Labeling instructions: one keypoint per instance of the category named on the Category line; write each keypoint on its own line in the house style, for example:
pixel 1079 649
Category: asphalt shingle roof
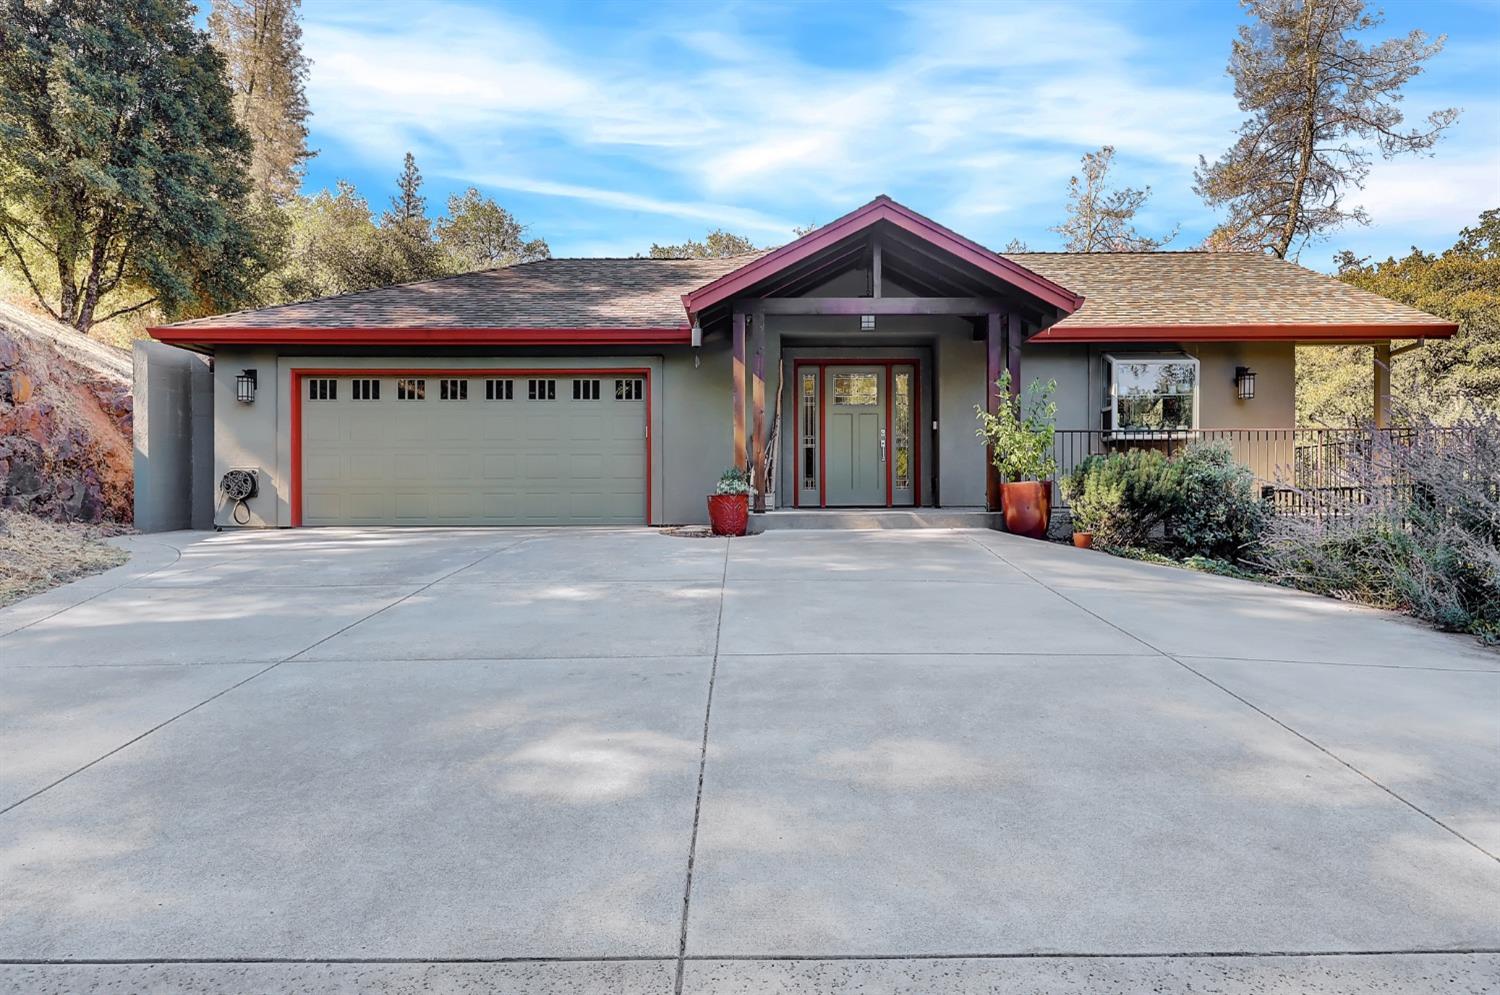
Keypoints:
pixel 1121 290
pixel 550 293
pixel 1136 289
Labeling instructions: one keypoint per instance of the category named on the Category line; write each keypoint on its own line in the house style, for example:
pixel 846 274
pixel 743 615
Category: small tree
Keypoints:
pixel 718 244
pixel 122 168
pixel 1021 431
pixel 478 233
pixel 407 250
pixel 1317 99
pixel 1100 219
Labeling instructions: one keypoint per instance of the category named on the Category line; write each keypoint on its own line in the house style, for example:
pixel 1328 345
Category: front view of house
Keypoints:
pixel 844 367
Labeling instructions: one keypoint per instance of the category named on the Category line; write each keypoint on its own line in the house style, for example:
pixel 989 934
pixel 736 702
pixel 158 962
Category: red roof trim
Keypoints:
pixel 1303 331
pixel 241 335
pixel 882 208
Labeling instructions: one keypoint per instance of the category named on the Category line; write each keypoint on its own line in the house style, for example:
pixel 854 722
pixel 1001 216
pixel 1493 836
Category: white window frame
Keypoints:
pixel 1112 399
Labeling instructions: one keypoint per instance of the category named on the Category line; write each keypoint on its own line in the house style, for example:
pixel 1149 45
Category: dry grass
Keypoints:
pixel 36 554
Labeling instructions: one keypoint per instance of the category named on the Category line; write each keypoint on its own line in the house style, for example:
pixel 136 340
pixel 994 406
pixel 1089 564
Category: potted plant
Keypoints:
pixel 729 504
pixel 1088 502
pixel 1020 436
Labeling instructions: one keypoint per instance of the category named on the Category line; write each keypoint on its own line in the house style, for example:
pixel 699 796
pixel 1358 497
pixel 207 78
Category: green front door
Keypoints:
pixel 856 442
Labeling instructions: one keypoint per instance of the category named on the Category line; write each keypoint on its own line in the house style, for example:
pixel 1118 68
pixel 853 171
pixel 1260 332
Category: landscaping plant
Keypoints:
pixel 1412 525
pixel 1219 514
pixel 1123 497
pixel 1020 432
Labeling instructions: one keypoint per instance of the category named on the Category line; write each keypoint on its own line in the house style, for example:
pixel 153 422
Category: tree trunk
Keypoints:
pixel 1305 139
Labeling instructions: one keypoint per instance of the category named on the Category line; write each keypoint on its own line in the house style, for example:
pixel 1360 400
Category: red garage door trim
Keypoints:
pixel 297 376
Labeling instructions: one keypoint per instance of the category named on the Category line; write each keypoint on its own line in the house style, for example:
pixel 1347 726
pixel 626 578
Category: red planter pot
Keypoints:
pixel 729 514
pixel 1027 507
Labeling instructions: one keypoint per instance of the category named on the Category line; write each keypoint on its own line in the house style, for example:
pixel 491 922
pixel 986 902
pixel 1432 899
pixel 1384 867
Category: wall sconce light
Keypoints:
pixel 867 322
pixel 1244 383
pixel 244 386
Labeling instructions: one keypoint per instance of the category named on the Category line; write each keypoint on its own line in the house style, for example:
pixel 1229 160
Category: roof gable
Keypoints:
pixel 881 209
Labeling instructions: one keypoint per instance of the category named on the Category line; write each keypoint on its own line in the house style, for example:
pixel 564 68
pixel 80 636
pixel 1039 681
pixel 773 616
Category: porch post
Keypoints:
pixel 738 390
pixel 992 353
pixel 758 409
pixel 1382 407
pixel 1013 352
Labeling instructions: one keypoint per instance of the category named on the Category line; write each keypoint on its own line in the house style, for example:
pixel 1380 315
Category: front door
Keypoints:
pixel 856 443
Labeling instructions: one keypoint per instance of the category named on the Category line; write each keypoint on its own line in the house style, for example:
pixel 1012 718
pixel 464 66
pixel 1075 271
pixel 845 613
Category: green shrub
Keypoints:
pixel 1123 497
pixel 1219 515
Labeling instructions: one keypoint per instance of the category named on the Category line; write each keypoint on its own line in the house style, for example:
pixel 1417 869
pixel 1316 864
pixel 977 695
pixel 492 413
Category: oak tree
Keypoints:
pixel 122 168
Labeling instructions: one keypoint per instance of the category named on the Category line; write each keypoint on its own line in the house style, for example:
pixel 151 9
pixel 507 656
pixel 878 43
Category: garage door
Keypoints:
pixel 491 449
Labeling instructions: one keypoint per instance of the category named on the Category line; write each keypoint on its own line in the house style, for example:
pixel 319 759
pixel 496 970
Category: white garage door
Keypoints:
pixel 491 449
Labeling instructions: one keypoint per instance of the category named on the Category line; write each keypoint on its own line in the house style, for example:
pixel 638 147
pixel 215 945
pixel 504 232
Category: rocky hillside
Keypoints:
pixel 65 422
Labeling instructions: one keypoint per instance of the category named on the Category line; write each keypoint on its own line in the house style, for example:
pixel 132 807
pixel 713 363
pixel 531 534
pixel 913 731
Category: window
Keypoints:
pixel 585 390
pixel 629 390
pixel 541 390
pixel 809 430
pixel 902 418
pixel 322 389
pixel 411 390
pixel 453 390
pixel 499 390
pixel 856 389
pixel 1151 395
pixel 366 390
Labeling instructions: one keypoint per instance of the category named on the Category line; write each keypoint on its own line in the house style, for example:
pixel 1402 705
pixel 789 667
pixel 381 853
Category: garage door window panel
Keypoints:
pixel 499 390
pixel 541 390
pixel 411 390
pixel 365 390
pixel 322 389
pixel 453 390
pixel 585 390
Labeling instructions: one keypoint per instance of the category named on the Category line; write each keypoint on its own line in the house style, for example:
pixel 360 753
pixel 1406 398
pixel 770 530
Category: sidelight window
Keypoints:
pixel 809 441
pixel 901 415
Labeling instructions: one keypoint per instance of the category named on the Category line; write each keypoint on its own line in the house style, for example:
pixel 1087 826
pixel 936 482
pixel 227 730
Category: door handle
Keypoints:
pixel 882 445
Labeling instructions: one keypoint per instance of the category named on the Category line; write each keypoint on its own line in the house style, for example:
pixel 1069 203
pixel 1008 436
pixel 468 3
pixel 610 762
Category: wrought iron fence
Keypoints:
pixel 1299 470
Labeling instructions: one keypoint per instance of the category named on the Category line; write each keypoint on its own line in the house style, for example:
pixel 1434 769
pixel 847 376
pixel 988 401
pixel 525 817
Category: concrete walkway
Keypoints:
pixel 612 760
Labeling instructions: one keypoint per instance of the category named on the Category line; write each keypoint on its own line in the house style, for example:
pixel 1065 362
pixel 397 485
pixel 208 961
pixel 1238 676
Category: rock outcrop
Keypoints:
pixel 65 422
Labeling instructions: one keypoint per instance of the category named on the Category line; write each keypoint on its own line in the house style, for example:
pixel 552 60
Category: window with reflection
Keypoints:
pixel 901 416
pixel 809 401
pixel 1152 395
pixel 852 390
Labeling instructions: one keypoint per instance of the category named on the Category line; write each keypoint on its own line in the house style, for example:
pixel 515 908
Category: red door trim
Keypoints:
pixel 820 363
pixel 297 375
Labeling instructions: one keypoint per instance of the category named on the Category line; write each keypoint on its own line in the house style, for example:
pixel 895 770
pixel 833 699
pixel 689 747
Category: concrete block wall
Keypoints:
pixel 174 484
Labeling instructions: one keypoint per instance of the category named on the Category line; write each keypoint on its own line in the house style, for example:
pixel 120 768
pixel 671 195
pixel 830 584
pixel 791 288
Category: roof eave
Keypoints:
pixel 200 336
pixel 1250 332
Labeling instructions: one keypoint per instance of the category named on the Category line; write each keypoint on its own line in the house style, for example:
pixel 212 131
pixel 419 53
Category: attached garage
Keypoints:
pixel 471 447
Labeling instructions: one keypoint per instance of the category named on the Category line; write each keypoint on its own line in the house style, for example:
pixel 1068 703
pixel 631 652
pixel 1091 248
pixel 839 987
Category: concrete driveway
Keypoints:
pixel 445 760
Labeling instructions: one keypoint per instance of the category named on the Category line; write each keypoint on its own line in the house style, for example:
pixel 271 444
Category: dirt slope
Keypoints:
pixel 65 421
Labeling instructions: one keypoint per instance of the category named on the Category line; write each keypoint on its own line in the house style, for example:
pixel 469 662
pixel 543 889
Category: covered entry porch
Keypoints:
pixel 859 353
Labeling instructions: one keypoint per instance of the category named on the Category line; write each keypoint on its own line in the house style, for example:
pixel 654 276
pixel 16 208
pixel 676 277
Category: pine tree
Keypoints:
pixel 1317 98
pixel 122 168
pixel 1103 220
pixel 261 42
pixel 407 248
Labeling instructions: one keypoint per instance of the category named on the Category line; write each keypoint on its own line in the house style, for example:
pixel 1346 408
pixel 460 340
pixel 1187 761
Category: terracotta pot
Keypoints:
pixel 1027 506
pixel 729 514
pixel 1083 540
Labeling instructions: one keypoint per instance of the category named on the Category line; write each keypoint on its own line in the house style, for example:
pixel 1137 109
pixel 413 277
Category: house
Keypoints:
pixel 615 391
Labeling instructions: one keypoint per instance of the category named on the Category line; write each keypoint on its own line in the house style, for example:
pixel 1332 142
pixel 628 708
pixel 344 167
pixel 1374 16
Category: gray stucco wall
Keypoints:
pixel 173 438
pixel 692 410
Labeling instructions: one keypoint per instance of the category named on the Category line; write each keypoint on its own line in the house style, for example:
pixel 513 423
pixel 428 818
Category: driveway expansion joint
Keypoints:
pixel 687 888
pixel 1248 704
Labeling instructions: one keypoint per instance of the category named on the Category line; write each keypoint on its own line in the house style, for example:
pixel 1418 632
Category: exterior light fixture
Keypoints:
pixel 867 322
pixel 244 386
pixel 1244 383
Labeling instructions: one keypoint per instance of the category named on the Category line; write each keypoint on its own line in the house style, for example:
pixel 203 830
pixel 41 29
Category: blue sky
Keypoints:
pixel 606 127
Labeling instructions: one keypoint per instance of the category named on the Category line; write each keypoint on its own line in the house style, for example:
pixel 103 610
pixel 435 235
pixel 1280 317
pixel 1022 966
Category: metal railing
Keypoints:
pixel 1293 466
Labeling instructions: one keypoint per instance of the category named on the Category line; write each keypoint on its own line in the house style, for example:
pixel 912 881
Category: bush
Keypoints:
pixel 1219 514
pixel 1123 497
pixel 1201 504
pixel 1413 525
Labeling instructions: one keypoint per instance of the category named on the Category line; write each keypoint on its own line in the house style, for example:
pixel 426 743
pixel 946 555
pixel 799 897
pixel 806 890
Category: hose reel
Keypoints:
pixel 238 486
